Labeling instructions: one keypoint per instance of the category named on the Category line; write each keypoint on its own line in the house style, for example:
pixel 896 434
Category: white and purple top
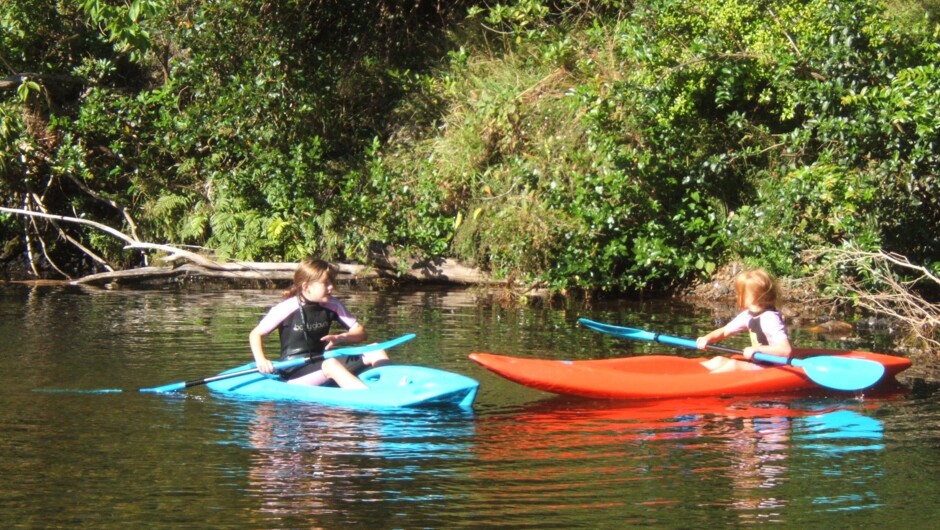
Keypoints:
pixel 766 327
pixel 303 325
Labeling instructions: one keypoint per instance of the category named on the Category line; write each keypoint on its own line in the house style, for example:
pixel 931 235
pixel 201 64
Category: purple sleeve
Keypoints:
pixel 286 307
pixel 774 328
pixel 346 318
pixel 277 314
pixel 738 323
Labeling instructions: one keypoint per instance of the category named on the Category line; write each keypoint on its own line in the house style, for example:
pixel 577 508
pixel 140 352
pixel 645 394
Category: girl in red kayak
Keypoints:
pixel 303 320
pixel 757 296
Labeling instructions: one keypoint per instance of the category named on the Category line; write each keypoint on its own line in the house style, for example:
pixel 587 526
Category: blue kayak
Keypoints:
pixel 390 386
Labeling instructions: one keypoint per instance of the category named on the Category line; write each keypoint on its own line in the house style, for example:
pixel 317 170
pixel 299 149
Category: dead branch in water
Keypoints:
pixel 440 270
pixel 897 299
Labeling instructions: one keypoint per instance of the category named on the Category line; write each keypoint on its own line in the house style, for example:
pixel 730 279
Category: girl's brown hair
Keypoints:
pixel 310 270
pixel 762 287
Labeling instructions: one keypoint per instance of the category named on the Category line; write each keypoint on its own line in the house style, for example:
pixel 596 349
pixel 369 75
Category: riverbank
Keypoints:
pixel 803 306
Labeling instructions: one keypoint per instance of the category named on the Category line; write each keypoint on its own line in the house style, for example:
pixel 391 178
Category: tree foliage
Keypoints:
pixel 606 145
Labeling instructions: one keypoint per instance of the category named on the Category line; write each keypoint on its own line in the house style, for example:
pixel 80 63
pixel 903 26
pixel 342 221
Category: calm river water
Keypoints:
pixel 520 458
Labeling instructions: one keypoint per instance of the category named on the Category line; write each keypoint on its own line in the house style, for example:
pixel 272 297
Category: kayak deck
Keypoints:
pixel 663 376
pixel 390 386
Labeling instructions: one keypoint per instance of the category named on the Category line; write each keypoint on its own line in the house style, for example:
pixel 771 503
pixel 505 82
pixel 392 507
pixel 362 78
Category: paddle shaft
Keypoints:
pixel 278 366
pixel 638 334
pixel 282 365
pixel 841 373
pixel 758 356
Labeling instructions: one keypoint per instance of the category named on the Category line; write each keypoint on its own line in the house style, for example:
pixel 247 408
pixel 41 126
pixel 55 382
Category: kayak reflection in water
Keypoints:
pixel 303 321
pixel 757 295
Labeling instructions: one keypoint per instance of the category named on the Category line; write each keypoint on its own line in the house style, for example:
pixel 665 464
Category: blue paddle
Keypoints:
pixel 172 387
pixel 840 373
pixel 279 365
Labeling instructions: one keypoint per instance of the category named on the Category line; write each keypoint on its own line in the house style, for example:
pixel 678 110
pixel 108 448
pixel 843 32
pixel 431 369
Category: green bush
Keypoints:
pixel 610 145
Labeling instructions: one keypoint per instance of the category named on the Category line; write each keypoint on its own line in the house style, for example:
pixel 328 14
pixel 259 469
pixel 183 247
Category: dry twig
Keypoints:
pixel 898 299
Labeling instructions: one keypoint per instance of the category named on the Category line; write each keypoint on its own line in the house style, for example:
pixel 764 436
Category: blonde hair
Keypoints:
pixel 762 288
pixel 310 270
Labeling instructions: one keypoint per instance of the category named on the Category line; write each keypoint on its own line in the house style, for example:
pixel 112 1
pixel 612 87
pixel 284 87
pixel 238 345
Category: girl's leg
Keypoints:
pixel 336 370
pixel 717 365
pixel 312 379
pixel 375 358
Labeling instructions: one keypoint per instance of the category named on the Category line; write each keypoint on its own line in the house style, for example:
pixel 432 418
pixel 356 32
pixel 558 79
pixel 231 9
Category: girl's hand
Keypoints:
pixel 332 340
pixel 749 352
pixel 265 366
pixel 701 342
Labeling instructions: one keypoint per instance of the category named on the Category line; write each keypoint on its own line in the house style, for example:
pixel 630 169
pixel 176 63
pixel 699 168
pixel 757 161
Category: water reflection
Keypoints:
pixel 846 447
pixel 752 458
pixel 308 461
pixel 757 447
pixel 832 430
pixel 520 459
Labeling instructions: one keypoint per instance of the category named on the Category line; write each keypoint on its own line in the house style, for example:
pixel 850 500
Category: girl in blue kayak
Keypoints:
pixel 303 320
pixel 757 296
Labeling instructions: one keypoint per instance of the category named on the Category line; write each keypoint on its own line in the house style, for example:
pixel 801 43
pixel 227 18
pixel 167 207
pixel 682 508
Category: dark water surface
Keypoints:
pixel 520 458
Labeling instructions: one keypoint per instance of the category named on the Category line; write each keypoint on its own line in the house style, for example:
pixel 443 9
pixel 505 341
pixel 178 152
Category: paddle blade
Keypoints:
pixel 637 334
pixel 359 350
pixel 841 373
pixel 832 371
pixel 618 331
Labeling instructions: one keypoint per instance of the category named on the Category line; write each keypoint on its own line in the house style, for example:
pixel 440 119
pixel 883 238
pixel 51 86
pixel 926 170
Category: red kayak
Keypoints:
pixel 667 376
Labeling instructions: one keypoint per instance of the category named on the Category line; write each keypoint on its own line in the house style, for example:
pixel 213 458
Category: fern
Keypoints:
pixel 168 205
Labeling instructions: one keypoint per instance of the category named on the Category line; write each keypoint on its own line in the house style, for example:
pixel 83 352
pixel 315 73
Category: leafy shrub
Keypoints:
pixel 606 145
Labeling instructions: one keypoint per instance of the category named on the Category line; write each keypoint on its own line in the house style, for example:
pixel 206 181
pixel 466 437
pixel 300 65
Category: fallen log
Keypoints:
pixel 382 266
pixel 440 271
